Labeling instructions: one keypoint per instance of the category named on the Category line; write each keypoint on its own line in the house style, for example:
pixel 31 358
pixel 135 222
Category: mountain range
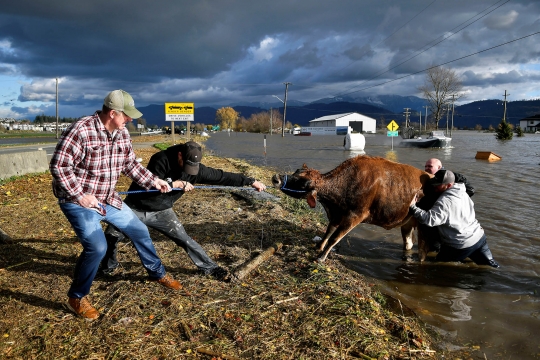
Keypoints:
pixel 387 107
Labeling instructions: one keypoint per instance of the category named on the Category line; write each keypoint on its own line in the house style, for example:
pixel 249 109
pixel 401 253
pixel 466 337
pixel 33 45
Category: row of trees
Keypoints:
pixel 43 119
pixel 263 122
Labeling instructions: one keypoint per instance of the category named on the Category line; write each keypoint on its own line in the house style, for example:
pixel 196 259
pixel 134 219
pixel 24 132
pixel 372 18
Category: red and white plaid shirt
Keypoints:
pixel 88 160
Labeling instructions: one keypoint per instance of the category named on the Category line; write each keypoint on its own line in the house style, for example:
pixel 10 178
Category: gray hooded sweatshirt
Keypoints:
pixel 454 215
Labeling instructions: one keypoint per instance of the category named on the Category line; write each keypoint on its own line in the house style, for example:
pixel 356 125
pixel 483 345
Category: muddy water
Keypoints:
pixel 495 310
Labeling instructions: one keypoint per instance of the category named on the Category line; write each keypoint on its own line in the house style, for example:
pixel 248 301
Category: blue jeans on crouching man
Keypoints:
pixel 87 225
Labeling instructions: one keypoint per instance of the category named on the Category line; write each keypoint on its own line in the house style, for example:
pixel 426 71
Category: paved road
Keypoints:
pixel 49 148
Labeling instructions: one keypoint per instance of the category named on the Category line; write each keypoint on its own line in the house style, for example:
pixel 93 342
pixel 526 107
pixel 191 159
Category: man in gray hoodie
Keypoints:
pixel 453 213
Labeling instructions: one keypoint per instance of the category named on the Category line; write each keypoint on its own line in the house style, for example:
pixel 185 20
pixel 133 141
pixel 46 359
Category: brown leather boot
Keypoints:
pixel 83 308
pixel 169 282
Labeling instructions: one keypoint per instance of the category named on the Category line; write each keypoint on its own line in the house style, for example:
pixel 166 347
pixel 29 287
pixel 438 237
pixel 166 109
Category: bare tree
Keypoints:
pixel 441 88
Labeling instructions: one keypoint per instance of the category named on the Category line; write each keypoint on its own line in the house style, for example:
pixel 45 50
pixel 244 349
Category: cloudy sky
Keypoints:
pixel 224 52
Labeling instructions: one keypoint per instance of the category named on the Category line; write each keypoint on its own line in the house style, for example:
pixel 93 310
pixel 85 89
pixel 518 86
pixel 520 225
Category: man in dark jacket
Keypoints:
pixel 431 234
pixel 181 166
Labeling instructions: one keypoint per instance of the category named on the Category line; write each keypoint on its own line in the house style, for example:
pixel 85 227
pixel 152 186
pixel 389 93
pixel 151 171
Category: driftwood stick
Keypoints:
pixel 258 260
pixel 360 355
pixel 14 265
pixel 5 238
pixel 216 354
pixel 291 299
pixel 186 329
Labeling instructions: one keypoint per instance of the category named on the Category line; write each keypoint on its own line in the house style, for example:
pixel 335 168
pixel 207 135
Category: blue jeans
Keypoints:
pixel 479 253
pixel 87 225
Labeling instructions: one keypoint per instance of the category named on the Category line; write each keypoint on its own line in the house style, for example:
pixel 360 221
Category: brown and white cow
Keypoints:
pixel 362 189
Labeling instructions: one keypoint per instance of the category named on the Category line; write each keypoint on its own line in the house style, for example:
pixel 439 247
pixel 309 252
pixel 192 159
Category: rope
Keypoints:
pixel 208 187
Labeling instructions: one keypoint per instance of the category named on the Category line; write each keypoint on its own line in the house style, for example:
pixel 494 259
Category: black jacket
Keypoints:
pixel 165 165
pixel 430 196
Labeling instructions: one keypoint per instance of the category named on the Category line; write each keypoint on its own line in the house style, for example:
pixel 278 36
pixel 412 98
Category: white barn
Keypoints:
pixel 355 122
pixel 531 123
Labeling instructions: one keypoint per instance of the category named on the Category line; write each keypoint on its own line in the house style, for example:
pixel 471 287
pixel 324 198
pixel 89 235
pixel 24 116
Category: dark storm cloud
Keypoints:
pixel 356 52
pixel 224 51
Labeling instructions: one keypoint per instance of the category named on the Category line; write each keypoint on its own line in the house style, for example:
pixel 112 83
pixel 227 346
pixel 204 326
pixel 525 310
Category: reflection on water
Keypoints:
pixel 496 309
pixel 354 153
pixel 456 300
pixel 391 155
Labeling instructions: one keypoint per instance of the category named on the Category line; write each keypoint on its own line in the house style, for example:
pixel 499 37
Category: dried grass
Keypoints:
pixel 288 308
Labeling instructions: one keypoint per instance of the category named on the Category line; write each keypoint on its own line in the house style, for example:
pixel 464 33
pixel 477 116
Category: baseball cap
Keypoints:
pixel 443 177
pixel 122 101
pixel 192 156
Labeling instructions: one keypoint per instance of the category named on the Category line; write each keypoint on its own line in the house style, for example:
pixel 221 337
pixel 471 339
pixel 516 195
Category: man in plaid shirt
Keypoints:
pixel 85 167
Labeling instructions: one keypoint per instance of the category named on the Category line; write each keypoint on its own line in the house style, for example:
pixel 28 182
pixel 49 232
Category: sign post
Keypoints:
pixel 179 112
pixel 392 131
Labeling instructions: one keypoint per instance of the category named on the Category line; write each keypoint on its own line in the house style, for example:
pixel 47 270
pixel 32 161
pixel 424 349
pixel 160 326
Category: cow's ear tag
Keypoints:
pixel 312 199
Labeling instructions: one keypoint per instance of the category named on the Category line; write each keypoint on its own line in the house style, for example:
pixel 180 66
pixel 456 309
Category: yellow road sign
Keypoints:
pixel 393 126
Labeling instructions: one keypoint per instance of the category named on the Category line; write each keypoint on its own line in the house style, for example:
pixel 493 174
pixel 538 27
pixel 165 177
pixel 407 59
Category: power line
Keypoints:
pixel 437 43
pixel 448 62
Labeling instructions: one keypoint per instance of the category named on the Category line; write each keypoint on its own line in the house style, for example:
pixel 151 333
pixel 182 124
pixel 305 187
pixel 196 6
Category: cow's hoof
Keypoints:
pixel 321 260
pixel 407 258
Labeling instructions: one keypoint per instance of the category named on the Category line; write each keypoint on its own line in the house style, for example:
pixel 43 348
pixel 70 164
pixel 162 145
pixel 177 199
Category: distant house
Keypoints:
pixel 357 122
pixel 531 123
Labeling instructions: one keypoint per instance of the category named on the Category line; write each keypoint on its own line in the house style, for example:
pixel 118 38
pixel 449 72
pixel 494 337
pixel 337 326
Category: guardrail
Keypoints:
pixel 152 132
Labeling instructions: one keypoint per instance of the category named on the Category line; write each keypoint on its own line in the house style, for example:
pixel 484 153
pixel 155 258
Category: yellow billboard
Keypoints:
pixel 179 111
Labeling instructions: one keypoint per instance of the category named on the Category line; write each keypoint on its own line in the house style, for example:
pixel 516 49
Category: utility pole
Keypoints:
pixel 425 119
pixel 406 127
pixel 406 116
pixel 420 119
pixel 504 114
pixel 447 111
pixel 453 108
pixel 284 108
pixel 56 108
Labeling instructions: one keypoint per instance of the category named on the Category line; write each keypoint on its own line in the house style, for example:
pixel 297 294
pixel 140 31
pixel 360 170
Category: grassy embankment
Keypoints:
pixel 290 307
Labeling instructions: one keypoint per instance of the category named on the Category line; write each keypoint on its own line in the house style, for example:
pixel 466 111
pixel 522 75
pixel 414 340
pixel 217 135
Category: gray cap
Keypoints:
pixel 122 101
pixel 192 154
pixel 443 177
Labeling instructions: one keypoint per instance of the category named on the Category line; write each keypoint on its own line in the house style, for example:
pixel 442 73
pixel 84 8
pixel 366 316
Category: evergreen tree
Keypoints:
pixel 519 132
pixel 504 131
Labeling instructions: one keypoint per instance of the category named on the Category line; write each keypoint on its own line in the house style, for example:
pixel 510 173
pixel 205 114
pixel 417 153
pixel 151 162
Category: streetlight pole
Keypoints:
pixel 284 109
pixel 283 127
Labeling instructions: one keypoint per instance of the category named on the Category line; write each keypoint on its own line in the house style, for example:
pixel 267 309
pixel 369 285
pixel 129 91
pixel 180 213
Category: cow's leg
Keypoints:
pixel 329 231
pixel 342 230
pixel 423 245
pixel 407 230
pixel 407 233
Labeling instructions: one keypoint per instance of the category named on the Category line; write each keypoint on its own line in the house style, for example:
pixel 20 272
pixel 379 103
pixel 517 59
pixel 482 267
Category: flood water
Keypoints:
pixel 495 310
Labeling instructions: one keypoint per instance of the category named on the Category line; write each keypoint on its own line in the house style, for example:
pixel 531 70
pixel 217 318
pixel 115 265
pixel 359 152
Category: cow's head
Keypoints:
pixel 299 185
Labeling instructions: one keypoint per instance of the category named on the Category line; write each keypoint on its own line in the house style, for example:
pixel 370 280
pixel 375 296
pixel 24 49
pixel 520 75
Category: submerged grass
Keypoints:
pixel 290 307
